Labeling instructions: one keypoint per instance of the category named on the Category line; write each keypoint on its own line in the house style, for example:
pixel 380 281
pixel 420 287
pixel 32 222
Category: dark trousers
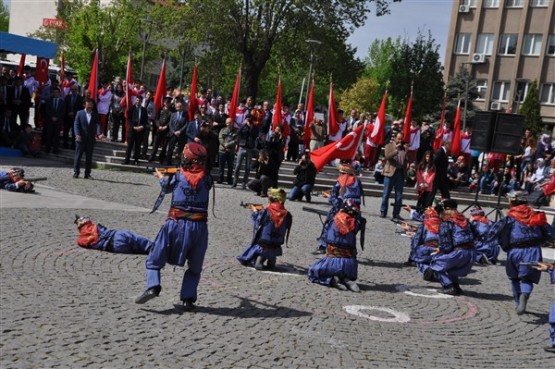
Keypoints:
pixel 83 147
pixel 52 135
pixel 226 160
pixel 134 140
pixel 144 143
pixel 174 141
pixel 117 122
pixel 444 190
pixel 68 127
pixel 160 141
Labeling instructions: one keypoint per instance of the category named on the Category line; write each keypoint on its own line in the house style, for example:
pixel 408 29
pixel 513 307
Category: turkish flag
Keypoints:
pixel 378 134
pixel 126 101
pixel 438 141
pixel 41 73
pixel 235 97
pixel 160 88
pixel 93 81
pixel 332 113
pixel 456 144
pixel 193 102
pixel 62 68
pixel 21 65
pixel 277 118
pixel 309 116
pixel 406 124
pixel 344 149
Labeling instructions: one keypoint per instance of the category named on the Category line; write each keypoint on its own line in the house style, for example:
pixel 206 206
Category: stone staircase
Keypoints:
pixel 110 156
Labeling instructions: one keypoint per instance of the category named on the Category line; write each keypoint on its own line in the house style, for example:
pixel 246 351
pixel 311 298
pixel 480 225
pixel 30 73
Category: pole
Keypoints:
pixel 143 59
pixel 301 94
pixel 309 77
pixel 182 66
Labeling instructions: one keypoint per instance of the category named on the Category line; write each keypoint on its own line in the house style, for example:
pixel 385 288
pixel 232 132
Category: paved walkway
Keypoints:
pixel 65 307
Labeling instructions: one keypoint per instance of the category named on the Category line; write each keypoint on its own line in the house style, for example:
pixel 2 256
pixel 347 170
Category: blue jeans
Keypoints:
pixel 396 181
pixel 243 154
pixel 297 192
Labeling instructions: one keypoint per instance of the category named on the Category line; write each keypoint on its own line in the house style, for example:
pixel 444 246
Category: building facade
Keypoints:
pixel 505 45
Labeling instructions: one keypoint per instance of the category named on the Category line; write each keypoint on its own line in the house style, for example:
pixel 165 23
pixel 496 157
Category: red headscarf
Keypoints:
pixel 277 213
pixel 344 222
pixel 526 216
pixel 457 218
pixel 432 221
pixel 88 235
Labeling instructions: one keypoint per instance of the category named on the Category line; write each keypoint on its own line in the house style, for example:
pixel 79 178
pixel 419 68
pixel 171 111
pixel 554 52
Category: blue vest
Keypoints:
pixel 335 238
pixel 104 237
pixel 270 234
pixel 451 236
pixel 185 197
pixel 353 192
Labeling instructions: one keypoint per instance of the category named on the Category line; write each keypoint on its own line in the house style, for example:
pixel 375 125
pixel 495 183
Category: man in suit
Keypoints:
pixel 137 120
pixel 54 114
pixel 86 128
pixel 74 103
pixel 192 129
pixel 441 163
pixel 176 136
pixel 394 175
pixel 20 102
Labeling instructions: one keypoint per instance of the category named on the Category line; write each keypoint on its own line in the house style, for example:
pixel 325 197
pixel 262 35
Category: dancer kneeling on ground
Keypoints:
pixel 339 268
pixel 486 244
pixel 184 235
pixel 425 241
pixel 455 252
pixel 521 234
pixel 271 229
pixel 97 237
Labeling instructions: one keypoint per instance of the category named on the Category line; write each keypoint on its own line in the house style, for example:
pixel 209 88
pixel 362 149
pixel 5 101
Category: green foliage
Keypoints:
pixel 456 89
pixel 531 109
pixel 4 17
pixel 361 96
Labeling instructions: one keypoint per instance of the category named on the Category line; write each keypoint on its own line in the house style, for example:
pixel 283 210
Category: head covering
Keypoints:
pixel 195 153
pixel 17 172
pixel 450 204
pixel 277 194
pixel 348 167
pixel 351 207
pixel 477 211
pixel 81 220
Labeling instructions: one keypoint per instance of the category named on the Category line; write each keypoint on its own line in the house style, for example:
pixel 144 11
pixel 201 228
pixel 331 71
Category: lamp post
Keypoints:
pixel 145 36
pixel 311 44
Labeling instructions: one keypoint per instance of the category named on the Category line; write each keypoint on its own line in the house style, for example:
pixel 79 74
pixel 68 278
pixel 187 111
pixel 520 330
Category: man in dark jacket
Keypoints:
pixel 246 136
pixel 137 120
pixel 303 183
pixel 86 127
pixel 441 163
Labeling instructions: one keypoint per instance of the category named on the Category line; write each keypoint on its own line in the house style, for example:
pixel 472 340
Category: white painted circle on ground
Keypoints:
pixel 398 316
pixel 435 294
pixel 284 273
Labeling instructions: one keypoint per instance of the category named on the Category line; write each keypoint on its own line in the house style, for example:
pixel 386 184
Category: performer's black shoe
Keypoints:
pixel 351 285
pixel 148 295
pixel 457 289
pixel 450 290
pixel 336 282
pixel 188 305
pixel 259 263
pixel 429 275
pixel 522 301
pixel 398 218
pixel 383 215
pixel 75 175
pixel 272 263
pixel 550 349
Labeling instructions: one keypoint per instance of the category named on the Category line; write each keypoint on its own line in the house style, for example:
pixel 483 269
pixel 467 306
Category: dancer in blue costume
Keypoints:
pixel 425 240
pixel 347 187
pixel 521 234
pixel 13 180
pixel 550 268
pixel 455 252
pixel 485 244
pixel 97 237
pixel 339 268
pixel 184 235
pixel 271 229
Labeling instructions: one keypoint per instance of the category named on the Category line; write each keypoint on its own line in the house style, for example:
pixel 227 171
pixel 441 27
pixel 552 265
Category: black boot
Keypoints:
pixel 457 288
pixel 272 263
pixel 522 301
pixel 259 263
pixel 429 275
pixel 336 282
pixel 351 285
pixel 188 305
pixel 148 295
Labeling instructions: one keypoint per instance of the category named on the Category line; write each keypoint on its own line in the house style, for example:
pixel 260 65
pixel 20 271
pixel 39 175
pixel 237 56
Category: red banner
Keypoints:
pixel 41 73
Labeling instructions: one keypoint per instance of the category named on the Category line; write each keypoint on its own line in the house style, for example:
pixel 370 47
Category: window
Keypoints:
pixel 501 91
pixel 532 44
pixel 507 46
pixel 463 43
pixel 469 3
pixel 485 44
pixel 551 45
pixel 491 3
pixel 538 3
pixel 521 90
pixel 547 95
pixel 514 3
pixel 482 88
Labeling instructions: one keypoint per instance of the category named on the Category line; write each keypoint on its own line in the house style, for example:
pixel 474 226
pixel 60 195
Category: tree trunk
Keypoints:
pixel 252 76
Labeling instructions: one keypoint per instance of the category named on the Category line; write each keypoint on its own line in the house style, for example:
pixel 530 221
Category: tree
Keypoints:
pixel 531 109
pixel 251 30
pixel 456 89
pixel 360 96
pixel 4 17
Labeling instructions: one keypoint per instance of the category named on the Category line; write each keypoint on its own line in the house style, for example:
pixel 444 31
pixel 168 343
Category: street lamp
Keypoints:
pixel 145 36
pixel 311 44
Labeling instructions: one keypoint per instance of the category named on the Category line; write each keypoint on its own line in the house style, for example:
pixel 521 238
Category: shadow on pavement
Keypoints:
pixel 378 287
pixel 484 296
pixel 119 182
pixel 540 318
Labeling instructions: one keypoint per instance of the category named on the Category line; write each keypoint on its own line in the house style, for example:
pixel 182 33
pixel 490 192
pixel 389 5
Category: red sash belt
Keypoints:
pixel 176 214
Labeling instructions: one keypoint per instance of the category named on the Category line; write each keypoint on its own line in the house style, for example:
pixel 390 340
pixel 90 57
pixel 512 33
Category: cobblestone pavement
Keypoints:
pixel 65 307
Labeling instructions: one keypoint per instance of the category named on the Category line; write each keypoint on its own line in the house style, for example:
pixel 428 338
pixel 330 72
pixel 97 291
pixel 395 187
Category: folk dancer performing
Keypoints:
pixel 97 237
pixel 184 235
pixel 14 180
pixel 521 234
pixel 550 268
pixel 339 267
pixel 455 252
pixel 271 229
pixel 347 187
pixel 486 244
pixel 425 241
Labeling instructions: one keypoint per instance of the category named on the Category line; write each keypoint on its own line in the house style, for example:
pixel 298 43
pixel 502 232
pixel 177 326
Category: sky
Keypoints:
pixel 405 20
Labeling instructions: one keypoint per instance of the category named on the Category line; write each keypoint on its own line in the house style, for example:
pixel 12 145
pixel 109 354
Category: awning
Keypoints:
pixel 25 45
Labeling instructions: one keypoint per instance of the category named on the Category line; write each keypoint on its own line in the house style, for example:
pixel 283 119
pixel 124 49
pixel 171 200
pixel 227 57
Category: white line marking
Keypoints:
pixel 435 294
pixel 399 317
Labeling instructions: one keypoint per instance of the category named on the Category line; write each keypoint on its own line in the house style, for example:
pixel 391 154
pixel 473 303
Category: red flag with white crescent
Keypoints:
pixel 277 118
pixel 160 88
pixel 456 144
pixel 93 81
pixel 41 73
pixel 406 124
pixel 235 97
pixel 309 115
pixel 378 134
pixel 333 126
pixel 193 103
pixel 343 149
pixel 21 66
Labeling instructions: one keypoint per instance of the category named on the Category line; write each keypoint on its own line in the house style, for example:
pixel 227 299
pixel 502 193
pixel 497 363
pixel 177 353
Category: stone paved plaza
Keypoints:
pixel 66 307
